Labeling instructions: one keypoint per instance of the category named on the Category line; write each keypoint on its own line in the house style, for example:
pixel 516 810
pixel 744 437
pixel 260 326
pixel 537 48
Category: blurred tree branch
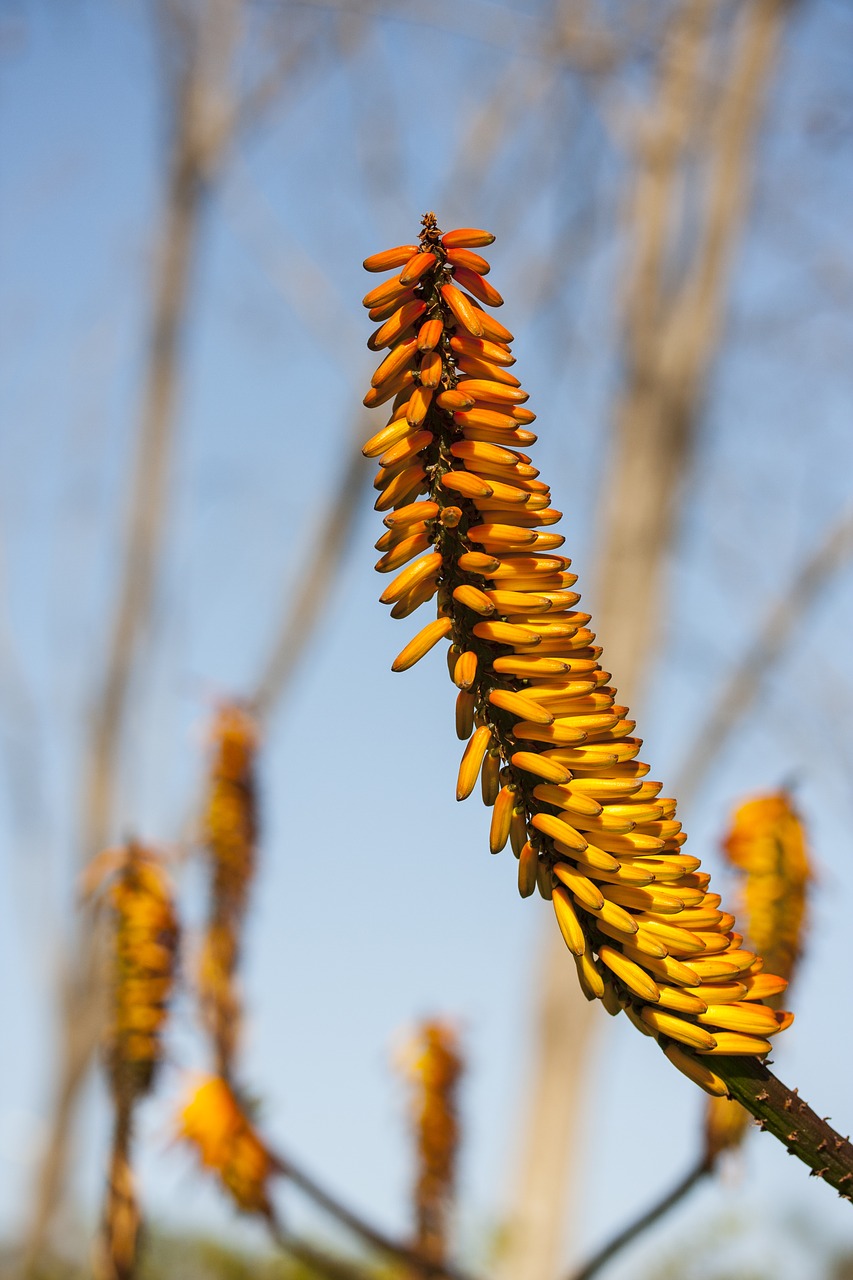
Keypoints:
pixel 303 605
pixel 743 686
pixel 371 1235
pixel 201 131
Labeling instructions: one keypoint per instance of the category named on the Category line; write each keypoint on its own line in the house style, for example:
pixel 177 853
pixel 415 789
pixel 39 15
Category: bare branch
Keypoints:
pixel 304 605
pixel 672 331
pixel 200 139
pixel 745 683
pixel 646 1220
pixel 371 1235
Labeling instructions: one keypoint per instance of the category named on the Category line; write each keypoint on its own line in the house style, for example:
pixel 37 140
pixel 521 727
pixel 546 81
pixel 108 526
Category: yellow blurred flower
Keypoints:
pixel 767 843
pixel 230 831
pixel 214 1122
pixel 144 956
pixel 432 1062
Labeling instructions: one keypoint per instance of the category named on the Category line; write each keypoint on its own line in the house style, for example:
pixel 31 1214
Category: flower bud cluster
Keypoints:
pixel 214 1121
pixel 470 524
pixel 767 845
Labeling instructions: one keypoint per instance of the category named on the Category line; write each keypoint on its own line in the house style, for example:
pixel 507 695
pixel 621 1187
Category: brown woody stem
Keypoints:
pixel 783 1113
pixel 618 1242
pixel 419 1264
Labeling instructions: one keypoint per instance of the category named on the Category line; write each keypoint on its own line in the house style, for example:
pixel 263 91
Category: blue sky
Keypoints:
pixel 377 901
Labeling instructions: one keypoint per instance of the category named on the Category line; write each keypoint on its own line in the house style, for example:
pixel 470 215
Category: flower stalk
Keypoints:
pixel 469 525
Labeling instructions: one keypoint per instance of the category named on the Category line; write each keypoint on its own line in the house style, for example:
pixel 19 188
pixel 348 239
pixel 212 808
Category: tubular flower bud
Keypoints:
pixel 433 1064
pixel 542 703
pixel 144 953
pixel 213 1120
pixel 767 845
pixel 230 828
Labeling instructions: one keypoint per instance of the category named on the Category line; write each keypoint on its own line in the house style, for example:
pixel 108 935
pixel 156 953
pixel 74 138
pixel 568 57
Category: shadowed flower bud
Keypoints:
pixel 433 1064
pixel 215 1123
pixel 603 844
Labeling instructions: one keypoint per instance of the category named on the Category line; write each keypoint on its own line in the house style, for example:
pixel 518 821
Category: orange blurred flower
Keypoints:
pixel 434 1065
pixel 214 1122
pixel 230 829
pixel 144 955
pixel 767 843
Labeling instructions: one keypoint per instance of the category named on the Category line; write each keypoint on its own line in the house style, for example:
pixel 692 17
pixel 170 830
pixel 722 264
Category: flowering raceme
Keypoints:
pixel 465 512
pixel 141 972
pixel 230 830
pixel 231 820
pixel 145 950
pixel 434 1065
pixel 767 845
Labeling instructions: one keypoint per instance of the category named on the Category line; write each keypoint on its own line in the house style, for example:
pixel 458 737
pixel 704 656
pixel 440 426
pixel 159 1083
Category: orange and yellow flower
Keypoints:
pixel 470 525
pixel 145 941
pixel 215 1123
pixel 231 820
pixel 767 845
pixel 434 1065
pixel 230 830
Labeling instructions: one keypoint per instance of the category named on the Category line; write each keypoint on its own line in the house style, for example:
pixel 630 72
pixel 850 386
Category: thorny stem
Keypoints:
pixel 782 1112
pixel 777 1109
pixel 646 1220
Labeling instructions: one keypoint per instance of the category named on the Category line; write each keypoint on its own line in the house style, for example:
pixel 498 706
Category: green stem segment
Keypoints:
pixel 782 1112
